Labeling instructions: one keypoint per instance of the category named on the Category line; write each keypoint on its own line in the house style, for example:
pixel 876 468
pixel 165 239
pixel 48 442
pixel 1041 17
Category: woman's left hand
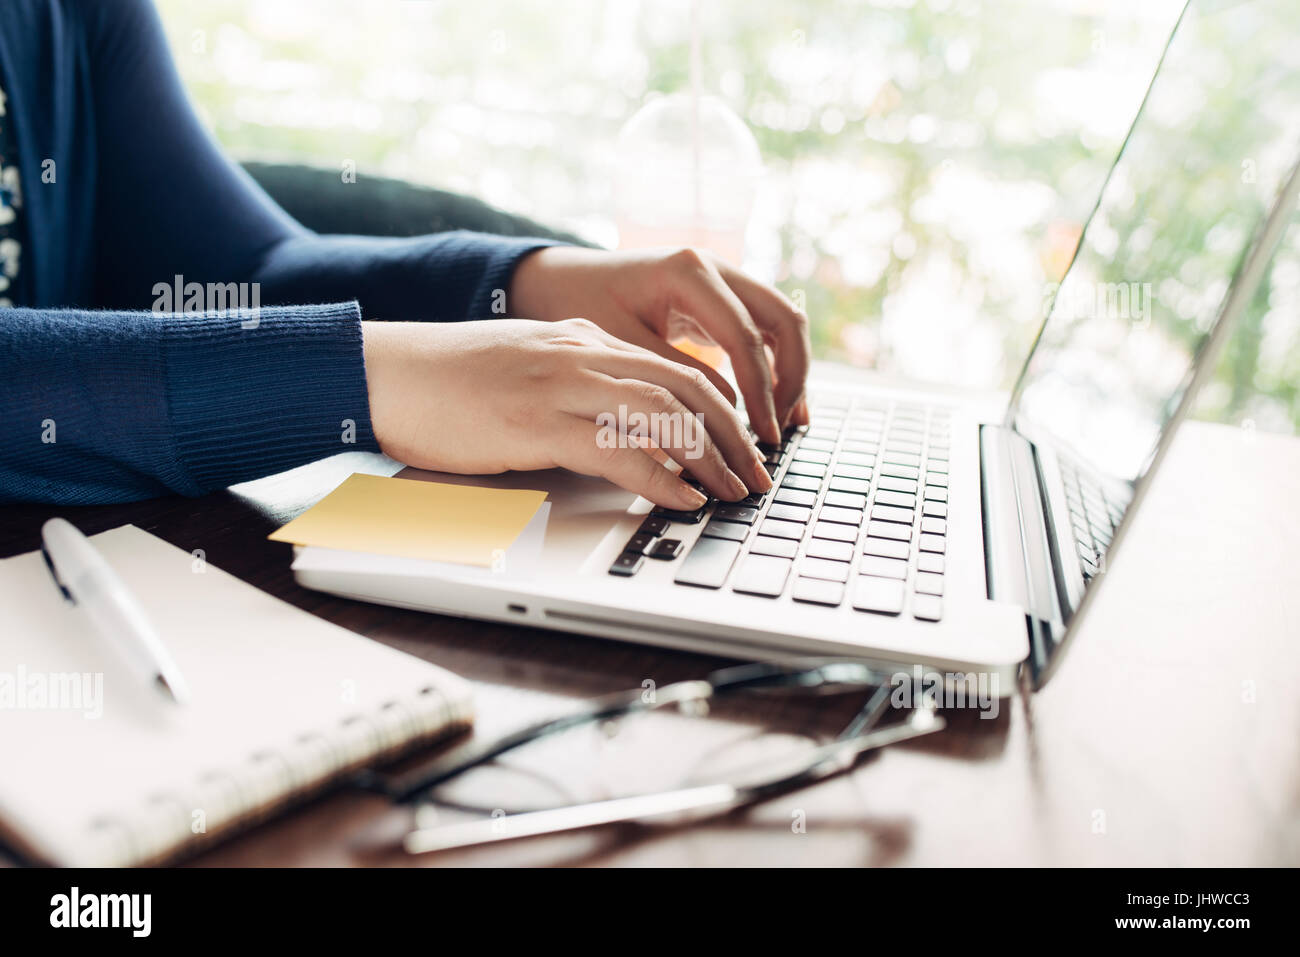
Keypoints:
pixel 648 297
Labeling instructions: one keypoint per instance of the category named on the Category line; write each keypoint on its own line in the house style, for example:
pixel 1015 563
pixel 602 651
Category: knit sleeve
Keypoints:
pixel 116 406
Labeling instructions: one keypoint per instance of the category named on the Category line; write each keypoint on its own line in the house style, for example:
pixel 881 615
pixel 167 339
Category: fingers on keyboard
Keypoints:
pixel 859 516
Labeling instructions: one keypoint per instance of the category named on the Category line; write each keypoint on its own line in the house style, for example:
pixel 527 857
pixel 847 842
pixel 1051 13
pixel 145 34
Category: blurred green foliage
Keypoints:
pixel 928 164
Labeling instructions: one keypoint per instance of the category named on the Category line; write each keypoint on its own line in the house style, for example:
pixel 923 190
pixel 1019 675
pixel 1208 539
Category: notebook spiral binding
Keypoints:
pixel 222 801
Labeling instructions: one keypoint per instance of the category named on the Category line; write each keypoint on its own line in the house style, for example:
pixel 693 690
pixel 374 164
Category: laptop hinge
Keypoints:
pixel 1017 554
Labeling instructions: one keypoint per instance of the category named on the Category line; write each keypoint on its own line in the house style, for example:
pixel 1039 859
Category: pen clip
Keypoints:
pixel 54 574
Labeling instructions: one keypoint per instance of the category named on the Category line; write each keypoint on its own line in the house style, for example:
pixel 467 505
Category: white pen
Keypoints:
pixel 87 580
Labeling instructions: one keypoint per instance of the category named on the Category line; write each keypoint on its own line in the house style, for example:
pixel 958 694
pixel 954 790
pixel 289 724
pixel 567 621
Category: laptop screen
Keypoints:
pixel 1216 137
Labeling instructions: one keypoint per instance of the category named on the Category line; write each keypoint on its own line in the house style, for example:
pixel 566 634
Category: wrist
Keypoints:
pixel 382 346
pixel 537 286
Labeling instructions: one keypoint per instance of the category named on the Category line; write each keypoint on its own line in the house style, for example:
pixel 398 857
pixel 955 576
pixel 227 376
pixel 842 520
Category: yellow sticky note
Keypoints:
pixel 412 519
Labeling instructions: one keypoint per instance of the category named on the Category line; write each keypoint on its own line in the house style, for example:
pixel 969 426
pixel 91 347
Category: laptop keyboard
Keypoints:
pixel 858 514
pixel 1093 517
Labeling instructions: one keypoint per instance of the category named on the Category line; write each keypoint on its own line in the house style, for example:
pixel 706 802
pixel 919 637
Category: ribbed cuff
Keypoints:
pixel 502 259
pixel 252 395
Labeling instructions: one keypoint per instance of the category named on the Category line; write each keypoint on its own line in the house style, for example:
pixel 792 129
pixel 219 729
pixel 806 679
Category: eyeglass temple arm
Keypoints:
pixel 707 800
pixel 409 785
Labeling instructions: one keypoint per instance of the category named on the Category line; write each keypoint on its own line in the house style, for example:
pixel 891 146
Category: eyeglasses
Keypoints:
pixel 614 748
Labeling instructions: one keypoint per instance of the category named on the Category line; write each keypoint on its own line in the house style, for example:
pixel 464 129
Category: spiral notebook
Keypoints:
pixel 100 770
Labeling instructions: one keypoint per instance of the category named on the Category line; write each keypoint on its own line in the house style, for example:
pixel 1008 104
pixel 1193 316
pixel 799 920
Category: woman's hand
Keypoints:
pixel 647 298
pixel 484 397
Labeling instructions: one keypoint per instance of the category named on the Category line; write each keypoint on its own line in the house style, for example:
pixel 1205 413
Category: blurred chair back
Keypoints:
pixel 376 206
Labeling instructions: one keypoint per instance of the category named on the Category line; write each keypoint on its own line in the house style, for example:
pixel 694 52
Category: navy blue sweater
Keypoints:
pixel 105 398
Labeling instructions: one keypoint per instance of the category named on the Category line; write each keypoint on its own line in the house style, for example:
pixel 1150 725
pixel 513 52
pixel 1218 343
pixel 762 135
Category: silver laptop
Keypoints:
pixel 910 527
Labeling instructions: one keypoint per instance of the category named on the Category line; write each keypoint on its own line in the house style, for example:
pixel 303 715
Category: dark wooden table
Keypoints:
pixel 1169 737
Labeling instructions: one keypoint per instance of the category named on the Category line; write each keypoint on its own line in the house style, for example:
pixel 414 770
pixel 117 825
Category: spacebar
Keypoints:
pixel 708 563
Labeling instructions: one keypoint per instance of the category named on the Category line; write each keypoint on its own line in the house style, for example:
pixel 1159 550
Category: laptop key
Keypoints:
pixel 884 596
pixel 794 496
pixel 928 584
pixel 825 568
pixel 761 575
pixel 814 591
pixel 936 478
pixel 627 564
pixel 790 513
pixel 865 436
pixel 821 445
pixel 902 458
pixel 672 515
pixel 812 455
pixel 897 484
pixel 883 567
pixel 835 532
pixel 927 607
pixel 639 543
pixel 825 548
pixel 908 430
pixel 850 485
pixel 845 516
pixel 707 563
pixel 929 562
pixel 779 529
pixel 899 471
pixel 936 465
pixel 654 527
pixel 845 470
pixel 891 513
pixel 900 499
pixel 933 543
pixel 935 494
pixel 666 549
pixel 736 513
pixel 806 468
pixel 935 509
pixel 901 533
pixel 804 482
pixel 868 448
pixel 845 499
pixel 776 547
pixel 728 530
pixel 886 548
pixel 934 526
pixel 857 458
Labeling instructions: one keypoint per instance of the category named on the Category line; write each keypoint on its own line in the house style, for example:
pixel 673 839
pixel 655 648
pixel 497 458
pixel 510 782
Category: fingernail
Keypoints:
pixel 736 488
pixel 692 498
pixel 762 481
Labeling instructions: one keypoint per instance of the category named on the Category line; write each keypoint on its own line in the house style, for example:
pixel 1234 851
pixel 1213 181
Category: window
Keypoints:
pixel 926 166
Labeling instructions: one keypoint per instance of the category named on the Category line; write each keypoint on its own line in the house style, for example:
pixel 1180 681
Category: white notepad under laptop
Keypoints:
pixel 100 770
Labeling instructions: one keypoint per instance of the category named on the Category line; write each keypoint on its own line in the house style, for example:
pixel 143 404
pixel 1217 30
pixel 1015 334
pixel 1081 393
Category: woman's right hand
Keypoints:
pixel 486 397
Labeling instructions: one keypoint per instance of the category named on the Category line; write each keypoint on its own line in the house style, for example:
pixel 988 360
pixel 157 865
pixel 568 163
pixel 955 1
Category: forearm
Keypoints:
pixel 444 277
pixel 171 204
pixel 117 406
